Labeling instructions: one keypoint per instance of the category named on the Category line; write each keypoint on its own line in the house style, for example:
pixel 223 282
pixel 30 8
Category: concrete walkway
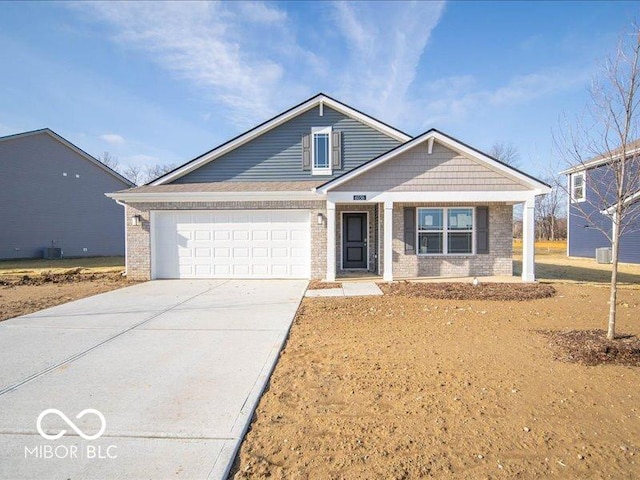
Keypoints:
pixel 348 289
pixel 175 367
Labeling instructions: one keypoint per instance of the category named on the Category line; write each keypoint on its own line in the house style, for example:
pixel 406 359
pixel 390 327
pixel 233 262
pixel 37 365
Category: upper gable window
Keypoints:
pixel 578 193
pixel 321 150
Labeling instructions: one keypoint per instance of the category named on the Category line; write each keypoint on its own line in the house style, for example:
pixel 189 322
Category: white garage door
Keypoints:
pixel 231 244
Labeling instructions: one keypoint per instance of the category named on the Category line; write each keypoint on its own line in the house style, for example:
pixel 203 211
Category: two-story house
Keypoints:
pixel 592 196
pixel 52 197
pixel 323 190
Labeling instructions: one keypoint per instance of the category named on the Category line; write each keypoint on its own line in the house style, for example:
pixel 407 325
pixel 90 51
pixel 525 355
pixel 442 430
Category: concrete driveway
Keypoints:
pixel 175 367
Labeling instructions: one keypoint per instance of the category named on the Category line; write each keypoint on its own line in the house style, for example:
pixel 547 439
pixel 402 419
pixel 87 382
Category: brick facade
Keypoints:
pixel 497 262
pixel 139 237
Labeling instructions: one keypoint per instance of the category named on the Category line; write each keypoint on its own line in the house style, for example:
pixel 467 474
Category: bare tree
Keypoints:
pixel 133 173
pixel 110 161
pixel 154 171
pixel 136 173
pixel 505 152
pixel 601 144
pixel 550 212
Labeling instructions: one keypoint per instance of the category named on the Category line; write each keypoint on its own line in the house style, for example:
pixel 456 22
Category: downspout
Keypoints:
pixel 126 224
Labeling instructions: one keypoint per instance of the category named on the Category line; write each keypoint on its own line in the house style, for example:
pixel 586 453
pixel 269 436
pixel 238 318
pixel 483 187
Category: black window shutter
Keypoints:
pixel 306 152
pixel 482 229
pixel 336 150
pixel 409 231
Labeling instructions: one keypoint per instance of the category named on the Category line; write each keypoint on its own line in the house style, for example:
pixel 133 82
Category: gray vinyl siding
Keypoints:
pixel 39 205
pixel 277 154
pixel 442 170
pixel 585 218
pixel 630 243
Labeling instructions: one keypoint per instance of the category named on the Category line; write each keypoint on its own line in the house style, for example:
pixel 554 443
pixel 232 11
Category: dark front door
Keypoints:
pixel 354 240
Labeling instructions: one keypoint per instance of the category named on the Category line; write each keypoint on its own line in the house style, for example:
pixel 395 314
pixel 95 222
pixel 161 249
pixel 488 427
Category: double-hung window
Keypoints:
pixel 445 231
pixel 578 187
pixel 321 150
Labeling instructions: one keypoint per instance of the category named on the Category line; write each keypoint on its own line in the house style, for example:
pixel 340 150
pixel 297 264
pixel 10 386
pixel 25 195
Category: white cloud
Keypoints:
pixel 463 97
pixel 259 12
pixel 385 45
pixel 208 44
pixel 112 138
pixel 253 59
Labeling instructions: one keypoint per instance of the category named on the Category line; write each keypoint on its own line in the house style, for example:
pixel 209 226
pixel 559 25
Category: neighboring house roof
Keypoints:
pixel 632 148
pixel 630 199
pixel 318 100
pixel 73 147
pixel 450 142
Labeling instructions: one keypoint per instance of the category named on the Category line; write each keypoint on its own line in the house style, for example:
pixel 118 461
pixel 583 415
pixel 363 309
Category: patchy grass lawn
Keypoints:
pixel 409 387
pixel 543 247
pixel 36 266
pixel 557 267
pixel 552 264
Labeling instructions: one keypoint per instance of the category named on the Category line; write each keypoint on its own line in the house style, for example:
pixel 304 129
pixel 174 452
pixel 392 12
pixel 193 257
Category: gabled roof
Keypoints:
pixel 633 148
pixel 320 99
pixel 71 146
pixel 450 142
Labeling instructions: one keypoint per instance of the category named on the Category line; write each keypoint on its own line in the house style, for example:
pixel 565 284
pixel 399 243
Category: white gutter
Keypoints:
pixel 612 209
pixel 134 197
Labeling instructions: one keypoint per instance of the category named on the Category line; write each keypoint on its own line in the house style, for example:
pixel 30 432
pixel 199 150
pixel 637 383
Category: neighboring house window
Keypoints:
pixel 578 187
pixel 321 150
pixel 445 231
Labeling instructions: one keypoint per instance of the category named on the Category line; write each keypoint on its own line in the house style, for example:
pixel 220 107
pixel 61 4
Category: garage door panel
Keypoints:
pixel 202 235
pixel 260 235
pixel 279 235
pixel 260 252
pixel 226 244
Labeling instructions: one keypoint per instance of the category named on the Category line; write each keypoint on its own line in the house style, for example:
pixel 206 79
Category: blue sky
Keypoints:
pixel 163 83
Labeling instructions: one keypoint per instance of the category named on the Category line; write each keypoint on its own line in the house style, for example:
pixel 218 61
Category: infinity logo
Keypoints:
pixel 71 424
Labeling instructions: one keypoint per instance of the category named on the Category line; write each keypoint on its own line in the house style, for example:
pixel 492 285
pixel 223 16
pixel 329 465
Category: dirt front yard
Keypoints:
pixel 22 294
pixel 407 387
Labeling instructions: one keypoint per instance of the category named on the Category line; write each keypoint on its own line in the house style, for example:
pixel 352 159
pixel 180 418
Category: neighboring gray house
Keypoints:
pixel 324 190
pixel 53 194
pixel 592 194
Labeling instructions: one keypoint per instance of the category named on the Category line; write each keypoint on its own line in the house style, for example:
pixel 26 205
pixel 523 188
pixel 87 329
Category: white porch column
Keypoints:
pixel 528 241
pixel 331 241
pixel 387 275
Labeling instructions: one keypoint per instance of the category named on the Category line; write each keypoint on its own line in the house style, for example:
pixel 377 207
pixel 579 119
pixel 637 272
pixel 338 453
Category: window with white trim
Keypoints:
pixel 578 187
pixel 321 150
pixel 445 231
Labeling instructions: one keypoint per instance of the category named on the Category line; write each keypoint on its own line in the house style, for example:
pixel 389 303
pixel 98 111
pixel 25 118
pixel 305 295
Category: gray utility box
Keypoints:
pixel 52 253
pixel 603 255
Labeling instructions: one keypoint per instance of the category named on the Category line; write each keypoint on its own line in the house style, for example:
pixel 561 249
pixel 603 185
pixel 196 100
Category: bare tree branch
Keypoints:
pixel 505 152
pixel 603 145
pixel 110 161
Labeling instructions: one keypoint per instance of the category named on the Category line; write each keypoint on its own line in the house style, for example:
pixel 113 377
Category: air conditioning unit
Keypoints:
pixel 52 253
pixel 603 255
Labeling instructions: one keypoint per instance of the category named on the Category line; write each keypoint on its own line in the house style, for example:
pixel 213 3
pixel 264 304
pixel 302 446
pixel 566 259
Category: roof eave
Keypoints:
pixel 144 197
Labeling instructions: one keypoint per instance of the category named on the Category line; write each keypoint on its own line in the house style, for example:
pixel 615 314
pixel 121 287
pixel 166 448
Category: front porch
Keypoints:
pixel 358 232
pixel 436 208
